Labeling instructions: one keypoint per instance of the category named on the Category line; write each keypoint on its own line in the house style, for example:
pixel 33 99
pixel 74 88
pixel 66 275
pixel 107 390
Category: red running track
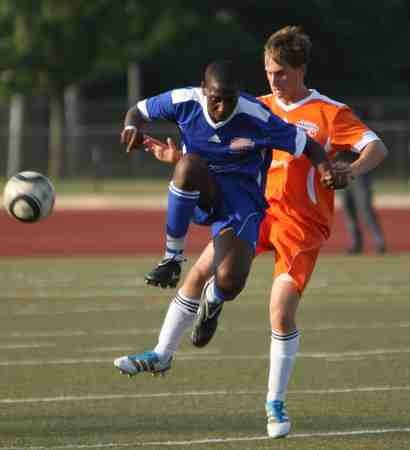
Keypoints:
pixel 127 232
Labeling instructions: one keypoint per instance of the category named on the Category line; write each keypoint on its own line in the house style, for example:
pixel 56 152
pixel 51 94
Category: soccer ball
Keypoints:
pixel 29 196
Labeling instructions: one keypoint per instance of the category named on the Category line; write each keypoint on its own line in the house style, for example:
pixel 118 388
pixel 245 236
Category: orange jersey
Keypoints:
pixel 294 190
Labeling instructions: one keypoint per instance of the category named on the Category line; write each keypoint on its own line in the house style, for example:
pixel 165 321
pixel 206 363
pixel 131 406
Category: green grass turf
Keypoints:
pixel 153 186
pixel 62 321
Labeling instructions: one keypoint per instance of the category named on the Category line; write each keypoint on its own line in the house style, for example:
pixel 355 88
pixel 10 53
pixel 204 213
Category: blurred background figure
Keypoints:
pixel 358 207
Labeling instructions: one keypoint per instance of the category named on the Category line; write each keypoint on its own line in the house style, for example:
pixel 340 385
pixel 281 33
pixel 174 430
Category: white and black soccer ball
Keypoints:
pixel 29 196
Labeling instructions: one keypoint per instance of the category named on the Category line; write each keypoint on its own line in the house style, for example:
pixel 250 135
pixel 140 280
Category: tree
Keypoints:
pixel 49 45
pixel 46 47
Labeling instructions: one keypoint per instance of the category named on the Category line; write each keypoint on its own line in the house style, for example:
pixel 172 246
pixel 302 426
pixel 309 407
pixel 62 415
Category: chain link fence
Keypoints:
pixel 92 148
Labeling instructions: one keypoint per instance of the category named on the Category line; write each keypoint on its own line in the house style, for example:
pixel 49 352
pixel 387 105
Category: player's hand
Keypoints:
pixel 132 137
pixel 335 175
pixel 342 173
pixel 164 152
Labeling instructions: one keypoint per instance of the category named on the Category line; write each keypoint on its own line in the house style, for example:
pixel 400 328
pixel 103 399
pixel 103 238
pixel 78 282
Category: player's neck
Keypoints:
pixel 296 96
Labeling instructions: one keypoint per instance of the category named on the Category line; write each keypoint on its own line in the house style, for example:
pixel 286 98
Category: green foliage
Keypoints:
pixel 359 47
pixel 45 46
pixel 51 44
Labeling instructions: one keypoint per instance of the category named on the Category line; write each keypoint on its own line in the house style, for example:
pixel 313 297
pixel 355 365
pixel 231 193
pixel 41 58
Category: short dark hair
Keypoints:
pixel 289 45
pixel 224 72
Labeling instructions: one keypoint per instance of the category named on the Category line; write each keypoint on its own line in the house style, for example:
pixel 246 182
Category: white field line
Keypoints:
pixel 105 397
pixel 76 333
pixel 78 310
pixel 101 293
pixel 334 356
pixel 324 434
pixel 124 349
pixel 139 331
pixel 29 345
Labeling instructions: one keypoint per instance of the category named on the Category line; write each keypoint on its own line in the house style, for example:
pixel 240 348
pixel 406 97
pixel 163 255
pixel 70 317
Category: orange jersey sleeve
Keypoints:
pixel 348 132
pixel 294 190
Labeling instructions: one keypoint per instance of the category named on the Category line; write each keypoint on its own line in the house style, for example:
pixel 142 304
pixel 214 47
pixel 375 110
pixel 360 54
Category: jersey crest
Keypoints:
pixel 309 127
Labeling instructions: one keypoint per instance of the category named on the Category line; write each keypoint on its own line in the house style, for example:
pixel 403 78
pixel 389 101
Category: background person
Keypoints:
pixel 357 201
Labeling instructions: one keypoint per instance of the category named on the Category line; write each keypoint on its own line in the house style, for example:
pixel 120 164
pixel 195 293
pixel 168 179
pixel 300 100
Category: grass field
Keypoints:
pixel 157 186
pixel 63 321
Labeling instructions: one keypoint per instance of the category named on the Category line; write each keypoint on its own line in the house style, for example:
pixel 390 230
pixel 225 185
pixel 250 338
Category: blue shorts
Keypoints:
pixel 241 207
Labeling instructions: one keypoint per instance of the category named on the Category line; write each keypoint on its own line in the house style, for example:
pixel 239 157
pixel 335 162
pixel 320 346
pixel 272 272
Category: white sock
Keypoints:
pixel 180 316
pixel 174 246
pixel 283 351
pixel 210 293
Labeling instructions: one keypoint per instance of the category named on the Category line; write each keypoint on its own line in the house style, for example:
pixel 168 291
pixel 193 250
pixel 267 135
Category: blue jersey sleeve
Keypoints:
pixel 285 136
pixel 159 107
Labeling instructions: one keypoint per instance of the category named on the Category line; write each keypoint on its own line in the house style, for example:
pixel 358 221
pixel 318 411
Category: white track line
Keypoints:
pixel 137 331
pixel 333 356
pixel 124 293
pixel 325 434
pixel 81 398
pixel 29 345
pixel 79 310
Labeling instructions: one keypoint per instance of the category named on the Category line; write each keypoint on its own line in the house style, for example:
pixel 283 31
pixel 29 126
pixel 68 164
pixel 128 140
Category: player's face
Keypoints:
pixel 286 82
pixel 221 99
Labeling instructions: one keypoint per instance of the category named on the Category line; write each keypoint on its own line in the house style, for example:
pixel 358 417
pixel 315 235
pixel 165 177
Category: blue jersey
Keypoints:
pixel 251 124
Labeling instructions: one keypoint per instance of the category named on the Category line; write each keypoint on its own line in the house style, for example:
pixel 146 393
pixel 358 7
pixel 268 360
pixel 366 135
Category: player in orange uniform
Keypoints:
pixel 300 214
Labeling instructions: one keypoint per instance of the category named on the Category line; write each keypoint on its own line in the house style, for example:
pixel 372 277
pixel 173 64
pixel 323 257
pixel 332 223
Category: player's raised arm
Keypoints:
pixel 131 135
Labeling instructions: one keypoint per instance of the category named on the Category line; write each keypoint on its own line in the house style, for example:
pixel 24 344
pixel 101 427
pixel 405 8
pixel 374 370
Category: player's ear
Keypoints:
pixel 203 86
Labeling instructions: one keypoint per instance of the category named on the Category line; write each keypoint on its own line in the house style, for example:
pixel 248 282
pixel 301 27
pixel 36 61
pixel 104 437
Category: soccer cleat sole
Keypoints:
pixel 154 374
pixel 162 285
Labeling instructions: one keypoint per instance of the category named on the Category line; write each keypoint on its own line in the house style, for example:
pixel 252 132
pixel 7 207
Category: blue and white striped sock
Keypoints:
pixel 181 206
pixel 283 350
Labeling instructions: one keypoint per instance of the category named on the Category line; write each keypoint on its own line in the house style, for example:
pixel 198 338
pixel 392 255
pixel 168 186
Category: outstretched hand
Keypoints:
pixel 164 152
pixel 132 137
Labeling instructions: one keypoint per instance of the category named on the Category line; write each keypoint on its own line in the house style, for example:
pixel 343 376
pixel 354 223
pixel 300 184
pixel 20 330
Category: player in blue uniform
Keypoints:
pixel 219 181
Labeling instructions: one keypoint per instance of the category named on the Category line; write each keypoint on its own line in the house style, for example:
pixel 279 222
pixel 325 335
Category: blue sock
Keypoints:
pixel 181 205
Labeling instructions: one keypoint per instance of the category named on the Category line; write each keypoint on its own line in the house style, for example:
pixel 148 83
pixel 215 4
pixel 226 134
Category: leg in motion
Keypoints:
pixel 191 185
pixel 284 346
pixel 179 318
pixel 233 258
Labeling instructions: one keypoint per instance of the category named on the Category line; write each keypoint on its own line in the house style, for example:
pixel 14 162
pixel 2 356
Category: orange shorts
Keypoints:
pixel 296 248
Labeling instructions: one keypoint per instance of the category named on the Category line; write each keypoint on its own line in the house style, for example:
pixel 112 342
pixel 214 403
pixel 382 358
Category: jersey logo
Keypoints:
pixel 309 127
pixel 215 139
pixel 241 144
pixel 278 164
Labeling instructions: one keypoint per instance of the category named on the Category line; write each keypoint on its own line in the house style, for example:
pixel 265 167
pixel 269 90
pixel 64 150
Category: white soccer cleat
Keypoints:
pixel 278 421
pixel 144 362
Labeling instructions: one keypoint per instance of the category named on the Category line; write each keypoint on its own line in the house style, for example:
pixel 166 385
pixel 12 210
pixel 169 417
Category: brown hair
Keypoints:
pixel 289 45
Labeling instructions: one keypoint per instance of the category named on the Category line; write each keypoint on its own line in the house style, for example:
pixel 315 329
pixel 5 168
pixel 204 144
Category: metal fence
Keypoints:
pixel 93 148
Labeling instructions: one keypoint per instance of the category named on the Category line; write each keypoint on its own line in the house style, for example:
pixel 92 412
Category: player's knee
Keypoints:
pixel 282 321
pixel 189 171
pixel 198 276
pixel 230 283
